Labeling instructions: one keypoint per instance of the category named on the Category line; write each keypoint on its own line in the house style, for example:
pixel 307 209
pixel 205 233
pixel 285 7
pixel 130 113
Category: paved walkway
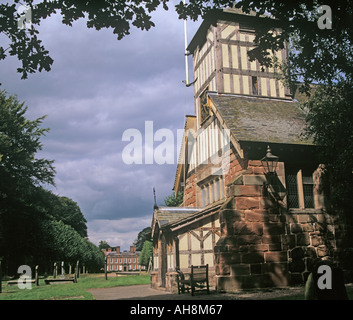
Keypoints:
pixel 145 292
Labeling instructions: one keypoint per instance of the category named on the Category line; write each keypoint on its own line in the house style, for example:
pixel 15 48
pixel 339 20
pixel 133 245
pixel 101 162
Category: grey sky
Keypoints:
pixel 99 87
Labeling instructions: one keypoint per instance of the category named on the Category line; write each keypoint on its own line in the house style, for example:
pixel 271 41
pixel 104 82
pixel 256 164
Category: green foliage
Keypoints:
pixel 36 226
pixel 19 142
pixel 315 55
pixel 114 15
pixel 21 174
pixel 330 123
pixel 63 243
pixel 146 253
pixel 172 201
pixel 70 213
pixel 103 245
pixel 71 291
pixel 65 210
pixel 144 235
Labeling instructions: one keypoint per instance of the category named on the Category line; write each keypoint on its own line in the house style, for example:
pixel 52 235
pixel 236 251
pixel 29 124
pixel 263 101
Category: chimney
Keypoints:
pixel 118 249
pixel 132 249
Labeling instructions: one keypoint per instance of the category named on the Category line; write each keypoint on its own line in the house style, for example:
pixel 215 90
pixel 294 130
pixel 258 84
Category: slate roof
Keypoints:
pixel 168 215
pixel 123 253
pixel 173 217
pixel 262 119
pixel 201 213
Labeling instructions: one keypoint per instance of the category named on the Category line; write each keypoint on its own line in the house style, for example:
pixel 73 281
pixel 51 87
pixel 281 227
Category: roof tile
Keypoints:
pixel 262 119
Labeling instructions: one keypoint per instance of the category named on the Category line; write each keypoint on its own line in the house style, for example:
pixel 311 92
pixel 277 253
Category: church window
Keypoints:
pixel 300 189
pixel 292 191
pixel 255 86
pixel 204 107
pixel 212 195
pixel 212 191
pixel 217 190
pixel 207 195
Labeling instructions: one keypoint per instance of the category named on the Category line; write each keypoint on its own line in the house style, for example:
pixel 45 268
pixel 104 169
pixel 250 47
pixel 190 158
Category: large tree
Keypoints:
pixel 174 201
pixel 143 235
pixel 19 143
pixel 146 253
pixel 330 123
pixel 36 226
pixel 64 209
pixel 103 245
pixel 21 177
pixel 63 243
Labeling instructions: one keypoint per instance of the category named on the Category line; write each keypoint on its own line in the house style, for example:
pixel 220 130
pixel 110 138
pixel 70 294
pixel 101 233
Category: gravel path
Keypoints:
pixel 145 292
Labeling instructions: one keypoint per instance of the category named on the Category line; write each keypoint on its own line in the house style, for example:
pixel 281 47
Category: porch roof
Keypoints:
pixel 168 215
pixel 174 218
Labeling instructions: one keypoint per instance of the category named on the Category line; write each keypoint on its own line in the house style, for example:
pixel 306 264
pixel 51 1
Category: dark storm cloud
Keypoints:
pixel 98 88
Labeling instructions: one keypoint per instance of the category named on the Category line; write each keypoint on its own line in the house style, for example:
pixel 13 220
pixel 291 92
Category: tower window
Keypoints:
pixel 246 27
pixel 204 107
pixel 255 87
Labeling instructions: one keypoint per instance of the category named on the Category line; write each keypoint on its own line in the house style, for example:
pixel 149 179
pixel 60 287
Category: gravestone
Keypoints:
pixel 62 276
pixel 55 272
pixel 325 283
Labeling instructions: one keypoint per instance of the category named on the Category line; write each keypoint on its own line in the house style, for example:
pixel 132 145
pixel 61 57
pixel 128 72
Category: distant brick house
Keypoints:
pixel 253 228
pixel 122 260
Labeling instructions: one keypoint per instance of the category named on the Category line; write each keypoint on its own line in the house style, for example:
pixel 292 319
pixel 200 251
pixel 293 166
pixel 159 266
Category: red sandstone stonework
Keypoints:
pixel 262 243
pixel 260 237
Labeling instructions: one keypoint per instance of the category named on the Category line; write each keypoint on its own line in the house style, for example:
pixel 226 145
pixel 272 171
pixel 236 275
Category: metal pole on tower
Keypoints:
pixel 155 202
pixel 186 53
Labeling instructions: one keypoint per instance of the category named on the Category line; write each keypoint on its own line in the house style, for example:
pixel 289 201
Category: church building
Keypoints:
pixel 252 207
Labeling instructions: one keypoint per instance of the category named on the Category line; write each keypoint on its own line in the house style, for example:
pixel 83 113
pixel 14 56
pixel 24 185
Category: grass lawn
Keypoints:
pixel 70 291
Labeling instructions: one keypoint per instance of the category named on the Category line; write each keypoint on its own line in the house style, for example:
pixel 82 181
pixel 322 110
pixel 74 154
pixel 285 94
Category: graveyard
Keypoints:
pixel 70 290
pixel 42 289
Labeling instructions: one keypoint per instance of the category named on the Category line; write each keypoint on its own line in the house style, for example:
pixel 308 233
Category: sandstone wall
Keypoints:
pixel 264 244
